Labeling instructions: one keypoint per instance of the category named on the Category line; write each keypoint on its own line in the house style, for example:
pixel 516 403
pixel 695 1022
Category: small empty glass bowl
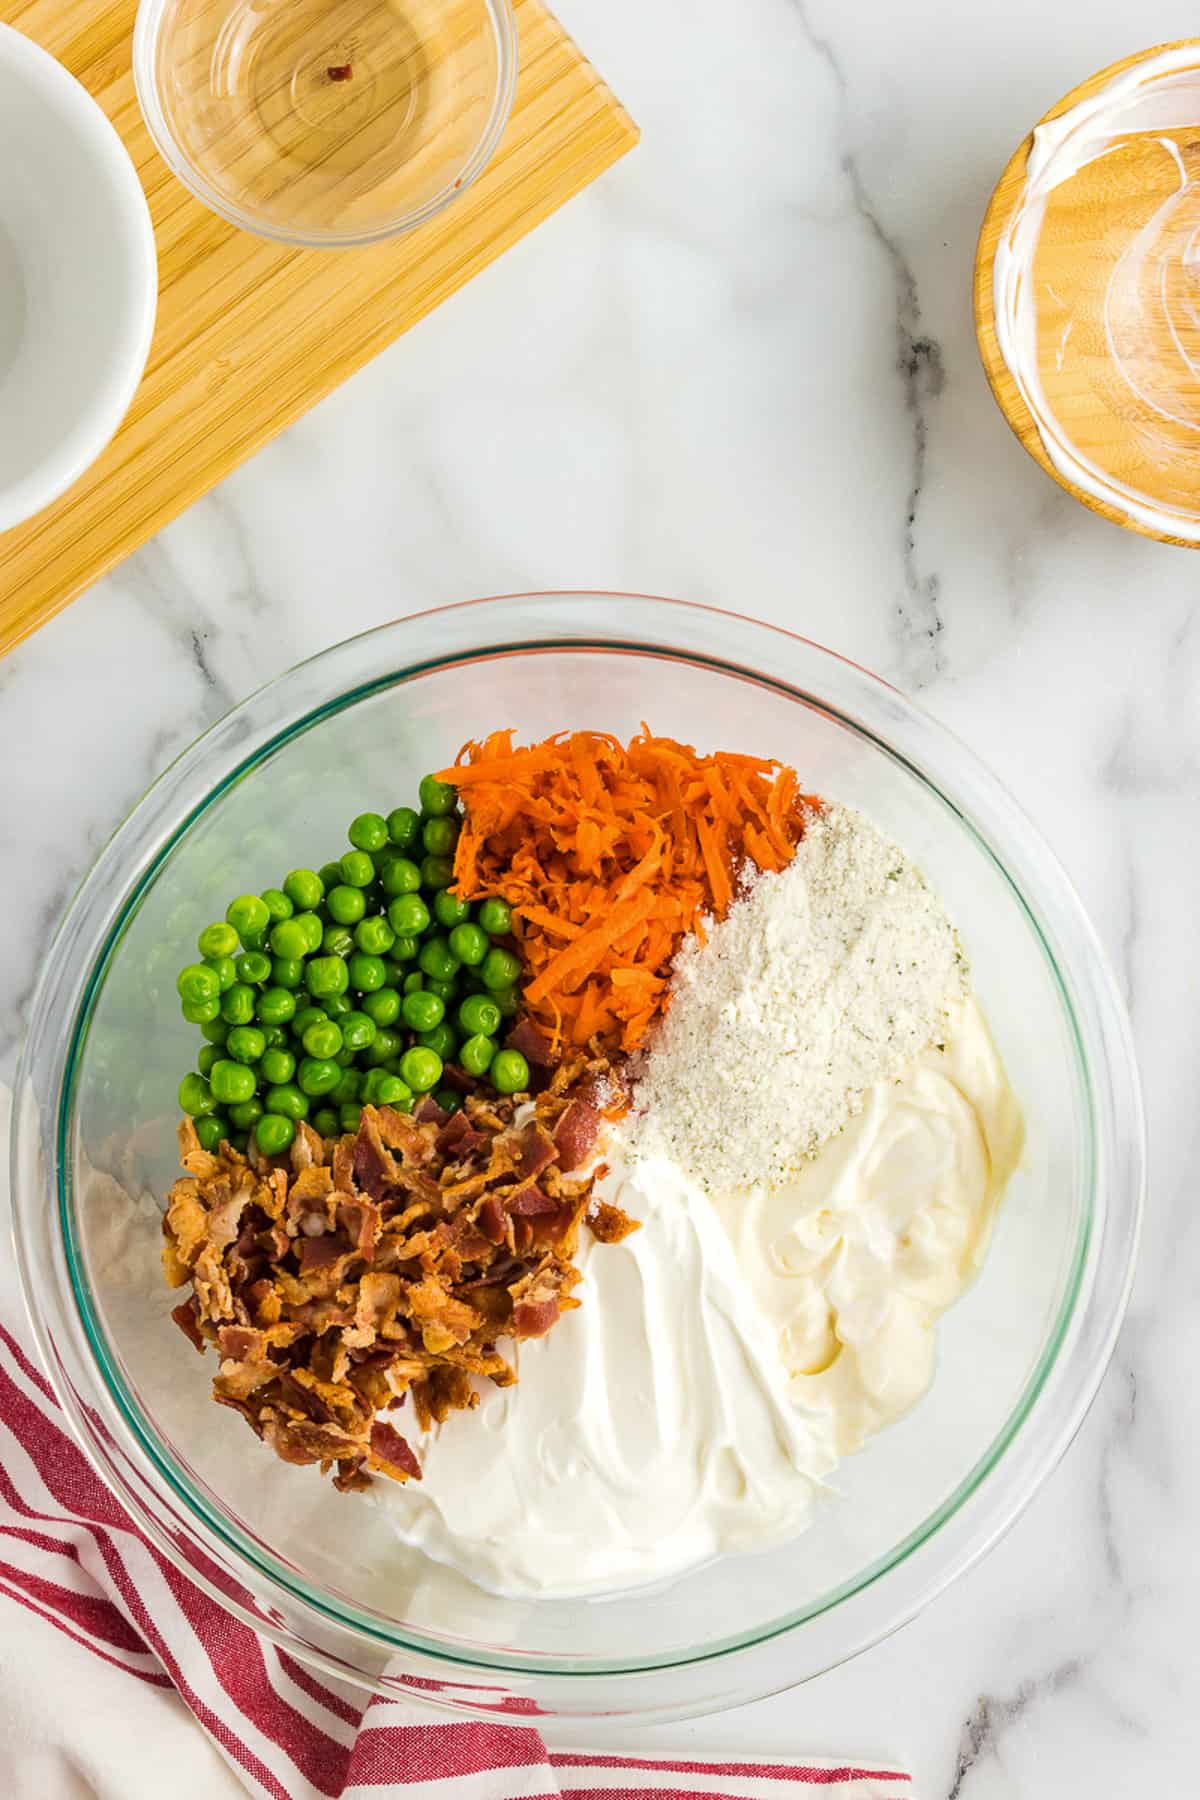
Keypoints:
pixel 326 122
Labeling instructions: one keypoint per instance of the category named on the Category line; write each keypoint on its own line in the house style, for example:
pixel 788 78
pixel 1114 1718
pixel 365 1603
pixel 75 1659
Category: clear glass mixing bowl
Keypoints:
pixel 273 784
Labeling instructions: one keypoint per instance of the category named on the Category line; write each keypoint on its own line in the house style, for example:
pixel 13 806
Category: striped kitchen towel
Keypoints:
pixel 103 1703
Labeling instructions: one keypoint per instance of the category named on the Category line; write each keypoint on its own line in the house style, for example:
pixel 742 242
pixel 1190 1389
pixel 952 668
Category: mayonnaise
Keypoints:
pixel 728 1353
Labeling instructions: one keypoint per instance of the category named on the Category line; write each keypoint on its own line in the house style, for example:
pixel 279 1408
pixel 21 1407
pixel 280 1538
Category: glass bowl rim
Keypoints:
pixel 146 32
pixel 128 1415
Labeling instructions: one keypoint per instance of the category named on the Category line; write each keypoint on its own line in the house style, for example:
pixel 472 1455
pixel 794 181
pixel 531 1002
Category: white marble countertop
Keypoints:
pixel 741 369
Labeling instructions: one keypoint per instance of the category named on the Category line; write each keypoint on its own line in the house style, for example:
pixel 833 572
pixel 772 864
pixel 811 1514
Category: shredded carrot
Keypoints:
pixel 609 855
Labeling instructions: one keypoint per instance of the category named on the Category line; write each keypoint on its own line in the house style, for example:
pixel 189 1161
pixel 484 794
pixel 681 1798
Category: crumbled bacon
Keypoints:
pixel 340 1279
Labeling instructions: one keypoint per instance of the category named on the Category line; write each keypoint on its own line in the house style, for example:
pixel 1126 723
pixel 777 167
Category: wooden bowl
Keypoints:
pixel 1107 205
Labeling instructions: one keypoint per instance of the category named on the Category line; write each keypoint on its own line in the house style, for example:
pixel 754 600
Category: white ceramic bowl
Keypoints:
pixel 78 279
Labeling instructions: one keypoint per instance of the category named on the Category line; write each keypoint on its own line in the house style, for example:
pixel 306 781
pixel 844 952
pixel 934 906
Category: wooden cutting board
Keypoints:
pixel 251 334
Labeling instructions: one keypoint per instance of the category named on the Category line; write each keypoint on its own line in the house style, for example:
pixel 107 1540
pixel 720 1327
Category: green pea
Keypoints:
pixel 326 975
pixel 449 1099
pixel 336 1007
pixel 421 1068
pixel 437 871
pixel 215 1029
pixel 331 874
pixel 400 876
pixel 253 967
pixel 277 1067
pixel 496 918
pixel 314 929
pixel 308 1015
pixel 304 888
pixel 325 1122
pixel 358 871
pixel 338 940
pixel 200 1012
pixel 225 971
pixel 278 904
pixel 287 971
pixel 403 826
pixel 207 1057
pixel 248 914
pixel 196 1097
pixel 246 1114
pixel 289 939
pixel 274 1133
pixel 245 1044
pixel 276 1036
pixel 499 970
pixel 323 1040
pixel 414 983
pixel 358 1028
pixel 393 1091
pixel 368 832
pixel 374 936
pixel 446 991
pixel 318 1075
pixel 477 1053
pixel 198 984
pixel 404 951
pixel 210 1131
pixel 217 940
pixel 275 1006
pixel 439 836
pixel 479 1016
pixel 422 1011
pixel 350 1088
pixel 509 1002
pixel 448 909
pixel 288 1100
pixel 232 1082
pixel 387 1044
pixel 382 1008
pixel 437 959
pixel 441 1038
pixel 237 1004
pixel 437 799
pixel 509 1073
pixel 469 943
pixel 367 973
pixel 408 916
pixel 350 1117
pixel 345 905
pixel 368 1094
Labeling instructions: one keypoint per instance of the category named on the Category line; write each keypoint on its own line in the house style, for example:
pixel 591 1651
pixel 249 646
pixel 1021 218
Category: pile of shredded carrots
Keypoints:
pixel 609 855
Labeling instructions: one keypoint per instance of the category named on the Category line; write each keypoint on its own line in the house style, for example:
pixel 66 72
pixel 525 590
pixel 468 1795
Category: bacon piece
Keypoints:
pixel 428 1112
pixel 534 1318
pixel 527 1202
pixel 362 1222
pixel 319 1252
pixel 187 1316
pixel 458 1079
pixel 391 1454
pixel 458 1138
pixel 533 1045
pixel 538 1151
pixel 576 1133
pixel 609 1224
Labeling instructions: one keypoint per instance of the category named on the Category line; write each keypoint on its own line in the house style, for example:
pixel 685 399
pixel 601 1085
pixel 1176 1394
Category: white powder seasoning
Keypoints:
pixel 821 981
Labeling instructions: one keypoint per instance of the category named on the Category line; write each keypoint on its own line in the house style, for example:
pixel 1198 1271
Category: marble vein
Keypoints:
pixel 919 364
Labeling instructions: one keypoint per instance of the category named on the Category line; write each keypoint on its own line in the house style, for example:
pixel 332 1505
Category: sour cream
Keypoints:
pixel 728 1353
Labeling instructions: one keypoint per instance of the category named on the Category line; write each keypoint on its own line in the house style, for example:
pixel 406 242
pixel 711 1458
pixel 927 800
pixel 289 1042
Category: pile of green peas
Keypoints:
pixel 349 986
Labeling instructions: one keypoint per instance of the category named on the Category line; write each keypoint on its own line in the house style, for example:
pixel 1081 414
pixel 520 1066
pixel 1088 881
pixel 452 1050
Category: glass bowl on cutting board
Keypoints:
pixel 1019 1357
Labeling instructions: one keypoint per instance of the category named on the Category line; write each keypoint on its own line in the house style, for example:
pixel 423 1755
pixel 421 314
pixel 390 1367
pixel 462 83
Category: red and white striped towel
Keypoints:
pixel 96 1709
